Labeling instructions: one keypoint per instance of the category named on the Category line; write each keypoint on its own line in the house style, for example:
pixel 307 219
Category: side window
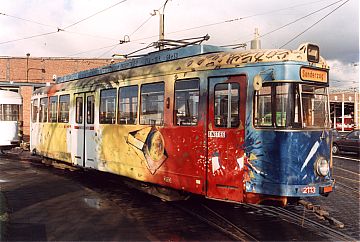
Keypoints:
pixel 226 102
pixel 43 110
pixel 79 110
pixel 128 105
pixel 34 110
pixel 90 108
pixel 53 109
pixel 152 104
pixel 263 114
pixel 64 103
pixel 9 112
pixel 107 106
pixel 281 104
pixel 186 102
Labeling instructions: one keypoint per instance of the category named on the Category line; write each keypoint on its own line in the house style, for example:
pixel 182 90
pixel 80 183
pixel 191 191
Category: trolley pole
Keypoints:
pixel 162 28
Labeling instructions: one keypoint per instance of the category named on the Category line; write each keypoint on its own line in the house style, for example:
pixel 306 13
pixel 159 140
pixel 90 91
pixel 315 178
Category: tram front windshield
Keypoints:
pixel 9 112
pixel 291 105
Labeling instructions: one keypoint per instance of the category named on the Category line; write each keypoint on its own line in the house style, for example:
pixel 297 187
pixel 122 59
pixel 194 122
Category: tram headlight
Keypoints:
pixel 322 166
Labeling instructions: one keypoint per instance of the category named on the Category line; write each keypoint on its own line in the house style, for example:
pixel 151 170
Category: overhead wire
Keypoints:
pixel 315 23
pixel 27 20
pixel 137 29
pixel 82 20
pixel 87 51
pixel 28 37
pixel 288 24
pixel 58 29
pixel 212 24
pixel 196 27
pixel 53 26
pixel 242 18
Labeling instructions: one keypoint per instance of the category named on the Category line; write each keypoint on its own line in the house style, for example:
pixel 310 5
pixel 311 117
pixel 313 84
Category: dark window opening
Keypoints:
pixel 90 109
pixel 226 109
pixel 64 103
pixel 43 110
pixel 186 102
pixel 128 105
pixel 107 106
pixel 79 110
pixel 34 110
pixel 53 105
pixel 152 104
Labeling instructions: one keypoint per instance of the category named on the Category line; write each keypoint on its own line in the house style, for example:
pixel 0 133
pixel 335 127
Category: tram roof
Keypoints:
pixel 9 97
pixel 226 58
pixel 151 58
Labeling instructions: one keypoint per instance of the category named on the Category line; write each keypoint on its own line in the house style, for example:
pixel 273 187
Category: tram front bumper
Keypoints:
pixel 286 190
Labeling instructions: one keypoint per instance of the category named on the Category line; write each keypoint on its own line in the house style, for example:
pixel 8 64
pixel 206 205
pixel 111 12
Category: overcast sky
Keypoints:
pixel 227 22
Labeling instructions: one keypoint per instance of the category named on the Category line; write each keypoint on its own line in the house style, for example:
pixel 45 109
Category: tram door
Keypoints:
pixel 83 135
pixel 225 136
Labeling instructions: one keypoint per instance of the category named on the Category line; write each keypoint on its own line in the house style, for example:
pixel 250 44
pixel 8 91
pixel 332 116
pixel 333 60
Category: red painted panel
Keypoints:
pixel 225 167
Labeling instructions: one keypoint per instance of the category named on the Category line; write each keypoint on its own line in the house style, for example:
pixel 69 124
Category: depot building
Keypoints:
pixel 344 109
pixel 25 74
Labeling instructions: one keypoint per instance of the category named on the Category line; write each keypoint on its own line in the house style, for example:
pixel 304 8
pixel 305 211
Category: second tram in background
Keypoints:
pixel 10 119
pixel 241 126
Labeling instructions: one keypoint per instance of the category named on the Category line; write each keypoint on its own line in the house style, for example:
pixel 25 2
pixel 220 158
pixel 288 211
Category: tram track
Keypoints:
pixel 347 190
pixel 216 220
pixel 223 218
pixel 305 222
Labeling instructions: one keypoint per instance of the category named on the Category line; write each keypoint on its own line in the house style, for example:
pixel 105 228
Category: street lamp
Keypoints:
pixel 27 66
pixel 28 69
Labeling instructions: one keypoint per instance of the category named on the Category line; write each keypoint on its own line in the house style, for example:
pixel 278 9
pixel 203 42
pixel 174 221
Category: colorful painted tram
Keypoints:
pixel 10 119
pixel 242 126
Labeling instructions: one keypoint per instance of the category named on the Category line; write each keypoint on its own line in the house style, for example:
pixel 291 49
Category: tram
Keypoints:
pixel 245 126
pixel 10 119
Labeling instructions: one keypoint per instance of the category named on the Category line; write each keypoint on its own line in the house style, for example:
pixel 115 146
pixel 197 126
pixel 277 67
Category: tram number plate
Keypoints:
pixel 309 190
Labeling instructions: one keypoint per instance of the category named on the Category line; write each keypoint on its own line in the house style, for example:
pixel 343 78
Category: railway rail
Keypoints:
pixel 217 221
pixel 300 219
pixel 221 217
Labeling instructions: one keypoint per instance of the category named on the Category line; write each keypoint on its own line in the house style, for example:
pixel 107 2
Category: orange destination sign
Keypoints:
pixel 309 74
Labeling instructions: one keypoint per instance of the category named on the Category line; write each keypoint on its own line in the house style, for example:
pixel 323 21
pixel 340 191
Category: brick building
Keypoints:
pixel 24 74
pixel 345 109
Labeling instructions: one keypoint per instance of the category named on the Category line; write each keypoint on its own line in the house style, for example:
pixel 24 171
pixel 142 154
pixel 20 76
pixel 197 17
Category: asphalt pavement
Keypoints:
pixel 42 203
pixel 36 196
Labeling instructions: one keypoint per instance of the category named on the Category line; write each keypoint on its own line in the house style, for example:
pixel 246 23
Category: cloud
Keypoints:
pixel 344 75
pixel 337 35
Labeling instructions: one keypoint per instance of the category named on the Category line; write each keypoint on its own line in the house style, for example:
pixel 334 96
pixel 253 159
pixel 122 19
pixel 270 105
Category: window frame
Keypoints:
pixel 162 123
pixel 294 111
pixel 136 119
pixel 60 118
pixel 36 115
pixel 52 119
pixel 103 118
pixel 90 117
pixel 175 109
pixel 81 108
pixel 41 113
pixel 229 108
